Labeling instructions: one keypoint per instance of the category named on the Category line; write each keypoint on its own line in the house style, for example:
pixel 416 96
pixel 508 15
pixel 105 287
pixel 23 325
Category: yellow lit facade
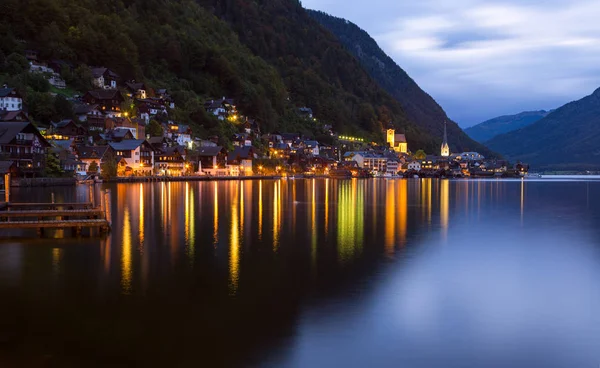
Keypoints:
pixel 397 142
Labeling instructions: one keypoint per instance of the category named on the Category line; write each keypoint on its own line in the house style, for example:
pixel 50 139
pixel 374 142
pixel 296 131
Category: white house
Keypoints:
pixel 414 165
pixel 10 99
pixel 136 153
pixel 311 148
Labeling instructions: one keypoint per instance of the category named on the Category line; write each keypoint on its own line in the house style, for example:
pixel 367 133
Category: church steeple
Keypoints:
pixel 445 151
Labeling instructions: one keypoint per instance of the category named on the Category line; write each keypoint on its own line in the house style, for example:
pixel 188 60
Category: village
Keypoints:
pixel 103 141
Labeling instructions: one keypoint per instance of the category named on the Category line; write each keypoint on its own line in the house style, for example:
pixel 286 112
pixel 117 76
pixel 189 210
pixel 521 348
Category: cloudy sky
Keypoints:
pixel 481 59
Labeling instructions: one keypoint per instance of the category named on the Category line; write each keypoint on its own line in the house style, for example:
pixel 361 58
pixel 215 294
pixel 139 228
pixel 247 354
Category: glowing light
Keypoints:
pixel 215 215
pixel 234 247
pixel 141 219
pixel 390 218
pixel 126 255
pixel 260 209
pixel 444 206
pixel 350 220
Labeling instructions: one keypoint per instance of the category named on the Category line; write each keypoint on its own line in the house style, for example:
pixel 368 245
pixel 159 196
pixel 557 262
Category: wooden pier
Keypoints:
pixel 74 216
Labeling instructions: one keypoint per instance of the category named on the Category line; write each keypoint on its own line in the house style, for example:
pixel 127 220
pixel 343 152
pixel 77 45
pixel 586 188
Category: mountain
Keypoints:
pixel 567 138
pixel 419 106
pixel 503 124
pixel 317 69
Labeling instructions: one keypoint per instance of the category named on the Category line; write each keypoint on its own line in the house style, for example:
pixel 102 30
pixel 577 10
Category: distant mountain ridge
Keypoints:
pixel 419 106
pixel 487 130
pixel 566 139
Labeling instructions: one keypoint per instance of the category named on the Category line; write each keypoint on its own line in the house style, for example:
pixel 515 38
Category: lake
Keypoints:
pixel 312 273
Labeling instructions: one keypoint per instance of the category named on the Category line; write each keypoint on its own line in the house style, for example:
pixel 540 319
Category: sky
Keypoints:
pixel 482 59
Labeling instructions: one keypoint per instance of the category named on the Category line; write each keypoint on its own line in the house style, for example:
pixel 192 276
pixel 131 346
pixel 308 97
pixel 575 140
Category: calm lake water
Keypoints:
pixel 313 273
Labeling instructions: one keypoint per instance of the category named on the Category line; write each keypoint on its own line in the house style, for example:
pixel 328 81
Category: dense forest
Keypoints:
pixel 419 106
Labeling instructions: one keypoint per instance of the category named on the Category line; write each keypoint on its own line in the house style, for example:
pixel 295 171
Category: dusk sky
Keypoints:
pixel 481 59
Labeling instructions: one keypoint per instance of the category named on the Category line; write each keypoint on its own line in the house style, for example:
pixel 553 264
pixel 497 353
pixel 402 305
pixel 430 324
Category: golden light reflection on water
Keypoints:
pixel 326 206
pixel 402 209
pixel 190 220
pixel 390 218
pixel 350 219
pixel 141 209
pixel 260 208
pixel 126 255
pixel 234 245
pixel 56 259
pixel 276 214
pixel 444 206
pixel 216 214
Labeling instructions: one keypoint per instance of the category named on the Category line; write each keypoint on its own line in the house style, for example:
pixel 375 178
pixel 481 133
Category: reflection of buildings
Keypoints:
pixel 350 218
pixel 444 205
pixel 234 244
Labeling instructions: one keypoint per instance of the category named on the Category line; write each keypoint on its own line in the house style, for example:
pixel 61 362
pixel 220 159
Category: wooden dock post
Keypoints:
pixel 91 195
pixel 107 202
pixel 52 197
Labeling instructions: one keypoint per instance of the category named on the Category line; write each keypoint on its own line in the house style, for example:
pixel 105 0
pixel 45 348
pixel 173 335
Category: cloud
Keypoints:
pixel 480 59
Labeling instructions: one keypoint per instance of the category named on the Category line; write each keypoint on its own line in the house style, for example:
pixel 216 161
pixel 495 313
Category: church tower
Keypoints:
pixel 391 134
pixel 445 151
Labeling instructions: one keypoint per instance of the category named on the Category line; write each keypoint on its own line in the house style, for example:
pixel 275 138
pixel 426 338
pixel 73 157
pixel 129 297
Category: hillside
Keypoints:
pixel 316 68
pixel 419 106
pixel 503 124
pixel 565 139
pixel 167 44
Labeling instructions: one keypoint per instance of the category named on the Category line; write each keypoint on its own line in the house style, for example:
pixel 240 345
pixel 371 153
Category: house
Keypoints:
pixel 137 127
pixel 305 112
pixel 290 138
pixel 104 78
pixel 470 156
pixel 392 166
pixel 368 160
pixel 211 159
pixel 117 135
pixel 10 99
pixel 240 160
pixel 66 129
pixel 280 151
pixel 222 109
pixel 108 100
pixel 23 143
pixel 149 108
pixel 135 154
pixel 158 143
pixel 328 151
pixel 179 133
pixel 97 154
pixel 414 165
pixel 17 116
pixel 68 160
pixel 310 147
pixel 83 111
pixel 170 162
pixel 241 140
pixel 136 90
